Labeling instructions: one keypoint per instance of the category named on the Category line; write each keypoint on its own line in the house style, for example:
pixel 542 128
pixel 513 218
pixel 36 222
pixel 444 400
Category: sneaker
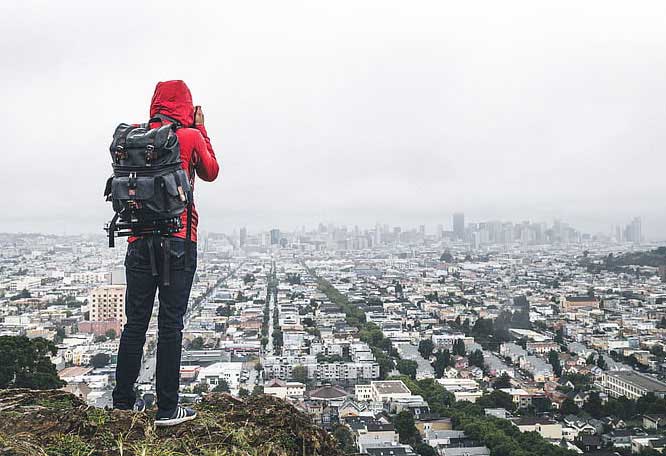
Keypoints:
pixel 140 405
pixel 181 415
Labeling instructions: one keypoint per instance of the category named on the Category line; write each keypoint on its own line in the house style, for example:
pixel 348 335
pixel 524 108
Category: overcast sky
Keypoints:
pixel 356 112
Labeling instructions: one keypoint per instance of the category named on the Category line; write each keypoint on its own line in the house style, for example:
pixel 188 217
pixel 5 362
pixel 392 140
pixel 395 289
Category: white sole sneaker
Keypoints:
pixel 175 421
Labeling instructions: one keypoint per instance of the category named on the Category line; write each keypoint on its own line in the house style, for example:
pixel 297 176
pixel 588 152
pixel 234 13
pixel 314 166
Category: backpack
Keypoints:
pixel 149 189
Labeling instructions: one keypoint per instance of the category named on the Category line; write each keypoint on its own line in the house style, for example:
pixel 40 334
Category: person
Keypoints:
pixel 172 102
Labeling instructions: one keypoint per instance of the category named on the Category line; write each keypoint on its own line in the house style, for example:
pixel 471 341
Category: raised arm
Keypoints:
pixel 206 163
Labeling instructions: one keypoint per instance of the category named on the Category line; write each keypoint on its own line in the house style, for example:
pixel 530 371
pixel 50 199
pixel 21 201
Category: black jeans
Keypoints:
pixel 143 280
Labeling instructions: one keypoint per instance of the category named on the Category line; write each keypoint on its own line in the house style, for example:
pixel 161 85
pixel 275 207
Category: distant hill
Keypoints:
pixel 655 258
pixel 56 423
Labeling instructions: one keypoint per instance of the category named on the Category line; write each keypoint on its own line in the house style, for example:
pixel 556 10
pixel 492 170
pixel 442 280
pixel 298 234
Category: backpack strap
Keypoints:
pixel 112 229
pixel 188 228
pixel 161 118
pixel 188 233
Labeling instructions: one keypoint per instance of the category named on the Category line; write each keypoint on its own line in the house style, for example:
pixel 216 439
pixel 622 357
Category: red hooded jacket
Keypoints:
pixel 173 99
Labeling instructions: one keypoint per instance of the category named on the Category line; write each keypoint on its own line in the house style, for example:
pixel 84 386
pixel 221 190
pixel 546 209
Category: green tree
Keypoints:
pixel 60 335
pixel 258 389
pixel 601 363
pixel 405 427
pixel 221 387
pixel 111 334
pixel 25 363
pixel 197 343
pixel 593 406
pixel 344 438
pixel 201 388
pixel 407 367
pixel 299 374
pixel 243 392
pixel 100 360
pixel 554 360
pixel 426 347
pixel 442 361
pixel 423 449
pixel 503 381
pixel 496 399
pixel 476 359
pixel 569 407
pixel 459 347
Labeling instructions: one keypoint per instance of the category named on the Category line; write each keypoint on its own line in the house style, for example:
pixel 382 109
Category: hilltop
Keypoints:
pixel 56 423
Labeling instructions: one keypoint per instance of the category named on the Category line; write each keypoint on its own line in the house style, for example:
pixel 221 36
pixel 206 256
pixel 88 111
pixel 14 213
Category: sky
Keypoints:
pixel 353 112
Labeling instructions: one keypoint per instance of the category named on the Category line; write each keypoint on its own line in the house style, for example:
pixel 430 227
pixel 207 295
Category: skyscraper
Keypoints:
pixel 459 225
pixel 275 236
pixel 243 236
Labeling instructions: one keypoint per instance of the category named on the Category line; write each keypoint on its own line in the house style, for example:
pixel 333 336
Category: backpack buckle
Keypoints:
pixel 150 153
pixel 121 153
pixel 131 184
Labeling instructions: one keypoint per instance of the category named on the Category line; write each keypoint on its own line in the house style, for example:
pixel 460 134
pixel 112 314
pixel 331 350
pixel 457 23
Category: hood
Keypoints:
pixel 173 99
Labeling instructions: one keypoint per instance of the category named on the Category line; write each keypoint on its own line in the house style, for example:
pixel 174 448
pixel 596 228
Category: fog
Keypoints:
pixel 354 112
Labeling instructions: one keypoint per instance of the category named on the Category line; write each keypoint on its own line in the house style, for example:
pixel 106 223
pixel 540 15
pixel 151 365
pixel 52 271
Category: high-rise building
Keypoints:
pixel 108 303
pixel 107 310
pixel 275 236
pixel 243 237
pixel 634 232
pixel 459 225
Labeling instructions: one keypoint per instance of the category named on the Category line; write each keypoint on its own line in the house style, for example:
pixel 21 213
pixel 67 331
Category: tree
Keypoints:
pixel 426 347
pixel 100 339
pixel 476 358
pixel 593 406
pixel 25 363
pixel 503 381
pixel 221 387
pixel 423 449
pixel 197 343
pixel 569 407
pixel 459 347
pixel 405 427
pixel 601 363
pixel 200 388
pixel 243 392
pixel 345 439
pixel 100 360
pixel 407 367
pixel 554 360
pixel 590 359
pixel 258 389
pixel 496 399
pixel 223 311
pixel 442 361
pixel 60 335
pixel 111 334
pixel 299 374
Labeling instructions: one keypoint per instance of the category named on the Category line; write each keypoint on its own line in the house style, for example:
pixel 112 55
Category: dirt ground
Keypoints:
pixel 56 423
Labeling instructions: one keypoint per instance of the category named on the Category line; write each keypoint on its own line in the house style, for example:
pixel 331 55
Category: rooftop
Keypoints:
pixel 391 387
pixel 641 381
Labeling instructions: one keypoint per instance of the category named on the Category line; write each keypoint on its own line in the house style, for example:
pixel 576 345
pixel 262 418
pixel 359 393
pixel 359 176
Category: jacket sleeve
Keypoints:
pixel 206 163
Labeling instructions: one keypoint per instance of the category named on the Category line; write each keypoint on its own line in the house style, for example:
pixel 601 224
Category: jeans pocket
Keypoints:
pixel 137 256
pixel 177 253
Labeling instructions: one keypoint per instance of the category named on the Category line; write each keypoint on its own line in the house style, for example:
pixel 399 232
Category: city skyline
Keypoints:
pixel 493 111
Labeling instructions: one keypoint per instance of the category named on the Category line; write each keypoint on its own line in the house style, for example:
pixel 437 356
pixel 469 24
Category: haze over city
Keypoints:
pixel 349 112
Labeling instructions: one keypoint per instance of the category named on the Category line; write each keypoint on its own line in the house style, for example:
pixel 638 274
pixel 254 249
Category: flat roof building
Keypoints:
pixel 631 384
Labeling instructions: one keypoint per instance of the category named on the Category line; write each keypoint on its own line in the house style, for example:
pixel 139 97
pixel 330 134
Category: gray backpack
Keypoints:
pixel 149 189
